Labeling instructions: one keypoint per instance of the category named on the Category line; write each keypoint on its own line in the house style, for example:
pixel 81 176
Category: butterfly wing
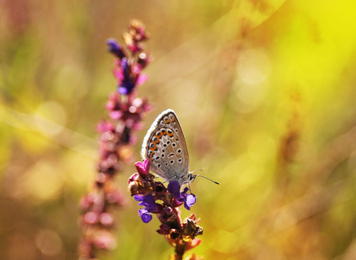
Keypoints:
pixel 165 146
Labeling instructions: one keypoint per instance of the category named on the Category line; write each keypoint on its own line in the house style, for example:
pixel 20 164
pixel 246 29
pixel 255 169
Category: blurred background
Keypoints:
pixel 265 92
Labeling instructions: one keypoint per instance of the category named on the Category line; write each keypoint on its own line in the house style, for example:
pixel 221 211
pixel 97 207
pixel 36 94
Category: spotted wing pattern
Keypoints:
pixel 165 146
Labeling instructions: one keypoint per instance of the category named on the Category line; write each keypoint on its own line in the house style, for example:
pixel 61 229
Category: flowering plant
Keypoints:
pixel 125 113
pixel 165 202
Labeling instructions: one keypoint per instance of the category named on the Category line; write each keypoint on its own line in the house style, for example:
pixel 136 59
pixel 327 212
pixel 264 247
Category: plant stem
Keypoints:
pixel 179 250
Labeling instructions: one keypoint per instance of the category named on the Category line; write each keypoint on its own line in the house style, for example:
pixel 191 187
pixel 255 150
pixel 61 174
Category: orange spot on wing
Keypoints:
pixel 154 148
pixel 158 135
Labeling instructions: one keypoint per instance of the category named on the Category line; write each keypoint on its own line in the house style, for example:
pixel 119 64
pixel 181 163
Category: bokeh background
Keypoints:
pixel 265 92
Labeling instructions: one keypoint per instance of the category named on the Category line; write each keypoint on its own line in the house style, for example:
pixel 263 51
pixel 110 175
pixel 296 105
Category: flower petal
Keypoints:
pixel 145 215
pixel 139 197
pixel 174 189
pixel 143 168
pixel 141 79
pixel 115 48
pixel 146 165
pixel 190 199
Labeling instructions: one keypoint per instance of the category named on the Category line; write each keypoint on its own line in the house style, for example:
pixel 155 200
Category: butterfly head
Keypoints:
pixel 190 177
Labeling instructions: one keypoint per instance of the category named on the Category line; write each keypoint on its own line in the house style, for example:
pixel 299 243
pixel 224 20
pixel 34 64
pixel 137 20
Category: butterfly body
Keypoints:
pixel 165 146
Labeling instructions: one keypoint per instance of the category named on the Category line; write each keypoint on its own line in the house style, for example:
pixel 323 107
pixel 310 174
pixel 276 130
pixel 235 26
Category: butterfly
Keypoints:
pixel 165 146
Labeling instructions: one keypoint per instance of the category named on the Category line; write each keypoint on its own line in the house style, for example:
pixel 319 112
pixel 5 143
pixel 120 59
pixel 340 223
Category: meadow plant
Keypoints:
pixel 165 202
pixel 125 112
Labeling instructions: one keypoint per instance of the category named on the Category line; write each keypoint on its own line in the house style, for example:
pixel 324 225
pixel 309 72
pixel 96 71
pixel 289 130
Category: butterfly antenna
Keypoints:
pixel 198 175
pixel 207 178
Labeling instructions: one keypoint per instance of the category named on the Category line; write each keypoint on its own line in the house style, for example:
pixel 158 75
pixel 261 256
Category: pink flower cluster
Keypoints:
pixel 125 113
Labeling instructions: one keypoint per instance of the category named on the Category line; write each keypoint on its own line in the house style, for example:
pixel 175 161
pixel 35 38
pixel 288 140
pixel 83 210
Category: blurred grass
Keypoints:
pixel 264 91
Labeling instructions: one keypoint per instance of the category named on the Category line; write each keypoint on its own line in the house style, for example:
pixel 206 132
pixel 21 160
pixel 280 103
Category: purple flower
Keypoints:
pixel 128 81
pixel 150 206
pixel 189 200
pixel 129 65
pixel 115 48
pixel 181 197
pixel 174 189
pixel 145 215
